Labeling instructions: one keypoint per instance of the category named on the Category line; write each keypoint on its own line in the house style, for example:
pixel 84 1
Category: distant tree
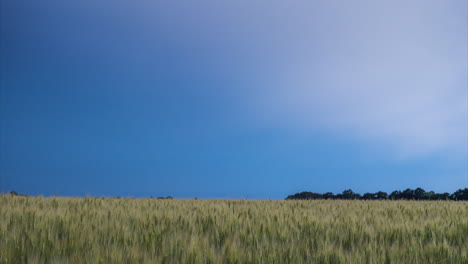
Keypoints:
pixel 381 195
pixel 443 196
pixel 338 196
pixel 368 196
pixel 14 193
pixel 350 195
pixel 436 196
pixel 328 195
pixel 460 195
pixel 419 193
pixel 429 196
pixel 408 194
pixel 305 196
pixel 395 195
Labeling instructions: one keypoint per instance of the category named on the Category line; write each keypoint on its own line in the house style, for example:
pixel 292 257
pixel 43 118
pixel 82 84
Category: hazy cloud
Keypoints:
pixel 392 72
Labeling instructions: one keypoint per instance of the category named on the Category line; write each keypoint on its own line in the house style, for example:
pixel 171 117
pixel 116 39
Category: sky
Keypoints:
pixel 232 99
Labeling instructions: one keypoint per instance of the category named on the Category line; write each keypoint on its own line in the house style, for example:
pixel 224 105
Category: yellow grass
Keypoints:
pixel 110 230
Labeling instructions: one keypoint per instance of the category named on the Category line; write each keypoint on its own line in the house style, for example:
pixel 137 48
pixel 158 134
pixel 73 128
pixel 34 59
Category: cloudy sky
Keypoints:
pixel 233 99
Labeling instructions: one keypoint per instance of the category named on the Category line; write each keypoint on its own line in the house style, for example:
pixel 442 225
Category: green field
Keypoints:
pixel 112 230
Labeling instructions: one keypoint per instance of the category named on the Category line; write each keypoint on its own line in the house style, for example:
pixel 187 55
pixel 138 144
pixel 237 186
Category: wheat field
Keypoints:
pixel 113 230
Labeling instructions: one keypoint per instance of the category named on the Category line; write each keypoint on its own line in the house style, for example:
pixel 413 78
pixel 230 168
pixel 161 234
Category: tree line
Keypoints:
pixel 408 194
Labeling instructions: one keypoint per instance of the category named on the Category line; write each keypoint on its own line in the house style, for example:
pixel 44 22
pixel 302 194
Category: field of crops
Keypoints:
pixel 112 230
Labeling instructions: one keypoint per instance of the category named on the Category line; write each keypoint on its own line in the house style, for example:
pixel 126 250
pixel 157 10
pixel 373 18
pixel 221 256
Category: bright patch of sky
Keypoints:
pixel 233 98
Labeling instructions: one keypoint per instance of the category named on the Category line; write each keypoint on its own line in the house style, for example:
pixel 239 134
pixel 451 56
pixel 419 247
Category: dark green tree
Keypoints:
pixel 381 195
pixel 419 193
pixel 395 195
pixel 460 195
pixel 408 194
pixel 350 195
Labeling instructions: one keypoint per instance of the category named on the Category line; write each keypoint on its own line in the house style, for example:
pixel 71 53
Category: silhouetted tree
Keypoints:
pixel 347 194
pixel 442 196
pixel 419 193
pixel 395 195
pixel 14 193
pixel 408 194
pixel 429 196
pixel 368 196
pixel 350 195
pixel 305 196
pixel 381 195
pixel 460 195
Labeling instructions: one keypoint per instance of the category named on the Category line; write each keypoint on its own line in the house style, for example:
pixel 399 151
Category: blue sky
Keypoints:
pixel 232 99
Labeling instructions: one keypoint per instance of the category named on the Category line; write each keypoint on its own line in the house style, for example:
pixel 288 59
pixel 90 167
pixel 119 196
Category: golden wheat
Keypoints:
pixel 111 230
